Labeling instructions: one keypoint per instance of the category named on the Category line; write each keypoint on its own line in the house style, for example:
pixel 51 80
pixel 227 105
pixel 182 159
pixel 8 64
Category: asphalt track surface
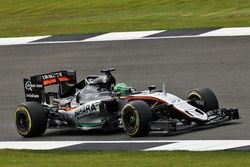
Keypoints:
pixel 221 63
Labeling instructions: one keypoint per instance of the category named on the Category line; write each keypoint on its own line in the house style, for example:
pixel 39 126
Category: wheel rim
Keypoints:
pixel 199 100
pixel 22 122
pixel 130 120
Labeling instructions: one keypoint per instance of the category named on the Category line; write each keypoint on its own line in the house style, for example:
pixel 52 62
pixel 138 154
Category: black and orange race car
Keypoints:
pixel 97 102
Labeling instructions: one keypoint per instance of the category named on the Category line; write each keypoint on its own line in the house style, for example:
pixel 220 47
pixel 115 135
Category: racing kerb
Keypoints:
pixel 134 35
pixel 143 145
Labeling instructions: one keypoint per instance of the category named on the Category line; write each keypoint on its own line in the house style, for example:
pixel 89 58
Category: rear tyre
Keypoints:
pixel 135 118
pixel 205 99
pixel 30 119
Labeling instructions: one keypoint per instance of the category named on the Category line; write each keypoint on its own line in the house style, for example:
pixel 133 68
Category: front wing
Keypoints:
pixel 215 118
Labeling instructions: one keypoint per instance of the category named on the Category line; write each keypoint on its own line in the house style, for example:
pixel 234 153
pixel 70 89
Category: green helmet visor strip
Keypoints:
pixel 122 88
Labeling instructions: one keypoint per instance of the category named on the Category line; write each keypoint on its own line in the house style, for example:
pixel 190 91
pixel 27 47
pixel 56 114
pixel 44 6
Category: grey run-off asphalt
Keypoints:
pixel 221 63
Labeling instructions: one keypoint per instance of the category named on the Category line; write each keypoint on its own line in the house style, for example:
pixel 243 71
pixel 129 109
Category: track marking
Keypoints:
pixel 123 35
pixel 189 145
pixel 20 40
pixel 202 145
pixel 37 145
pixel 236 31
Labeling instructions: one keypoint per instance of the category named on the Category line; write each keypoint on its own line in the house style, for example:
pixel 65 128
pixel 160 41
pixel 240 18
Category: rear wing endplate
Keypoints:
pixel 34 87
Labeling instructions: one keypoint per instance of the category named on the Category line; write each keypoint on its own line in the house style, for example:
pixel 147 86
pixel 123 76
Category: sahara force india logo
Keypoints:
pixel 29 86
pixel 88 108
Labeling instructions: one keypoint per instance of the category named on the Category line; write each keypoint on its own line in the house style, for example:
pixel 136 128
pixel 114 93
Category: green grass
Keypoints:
pixel 43 17
pixel 11 158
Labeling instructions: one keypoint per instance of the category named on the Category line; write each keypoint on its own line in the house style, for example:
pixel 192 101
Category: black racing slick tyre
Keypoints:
pixel 30 119
pixel 204 97
pixel 135 118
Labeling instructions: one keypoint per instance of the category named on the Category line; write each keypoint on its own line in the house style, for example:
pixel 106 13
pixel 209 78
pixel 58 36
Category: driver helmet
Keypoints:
pixel 122 88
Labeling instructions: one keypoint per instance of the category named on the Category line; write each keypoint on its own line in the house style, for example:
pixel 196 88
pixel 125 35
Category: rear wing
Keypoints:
pixel 34 87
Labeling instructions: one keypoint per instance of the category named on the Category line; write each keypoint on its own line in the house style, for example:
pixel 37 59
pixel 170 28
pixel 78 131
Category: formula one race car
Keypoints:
pixel 97 102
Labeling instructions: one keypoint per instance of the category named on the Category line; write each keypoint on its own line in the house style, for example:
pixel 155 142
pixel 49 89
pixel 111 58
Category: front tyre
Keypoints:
pixel 135 118
pixel 205 99
pixel 30 119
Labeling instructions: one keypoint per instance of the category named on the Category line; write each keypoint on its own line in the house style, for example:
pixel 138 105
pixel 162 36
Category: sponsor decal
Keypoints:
pixel 87 109
pixel 52 75
pixel 29 86
pixel 32 96
pixel 89 80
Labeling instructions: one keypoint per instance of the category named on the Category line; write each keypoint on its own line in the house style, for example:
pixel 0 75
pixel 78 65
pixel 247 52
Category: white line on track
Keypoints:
pixel 236 31
pixel 202 145
pixel 113 36
pixel 20 40
pixel 37 145
pixel 190 145
pixel 122 36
